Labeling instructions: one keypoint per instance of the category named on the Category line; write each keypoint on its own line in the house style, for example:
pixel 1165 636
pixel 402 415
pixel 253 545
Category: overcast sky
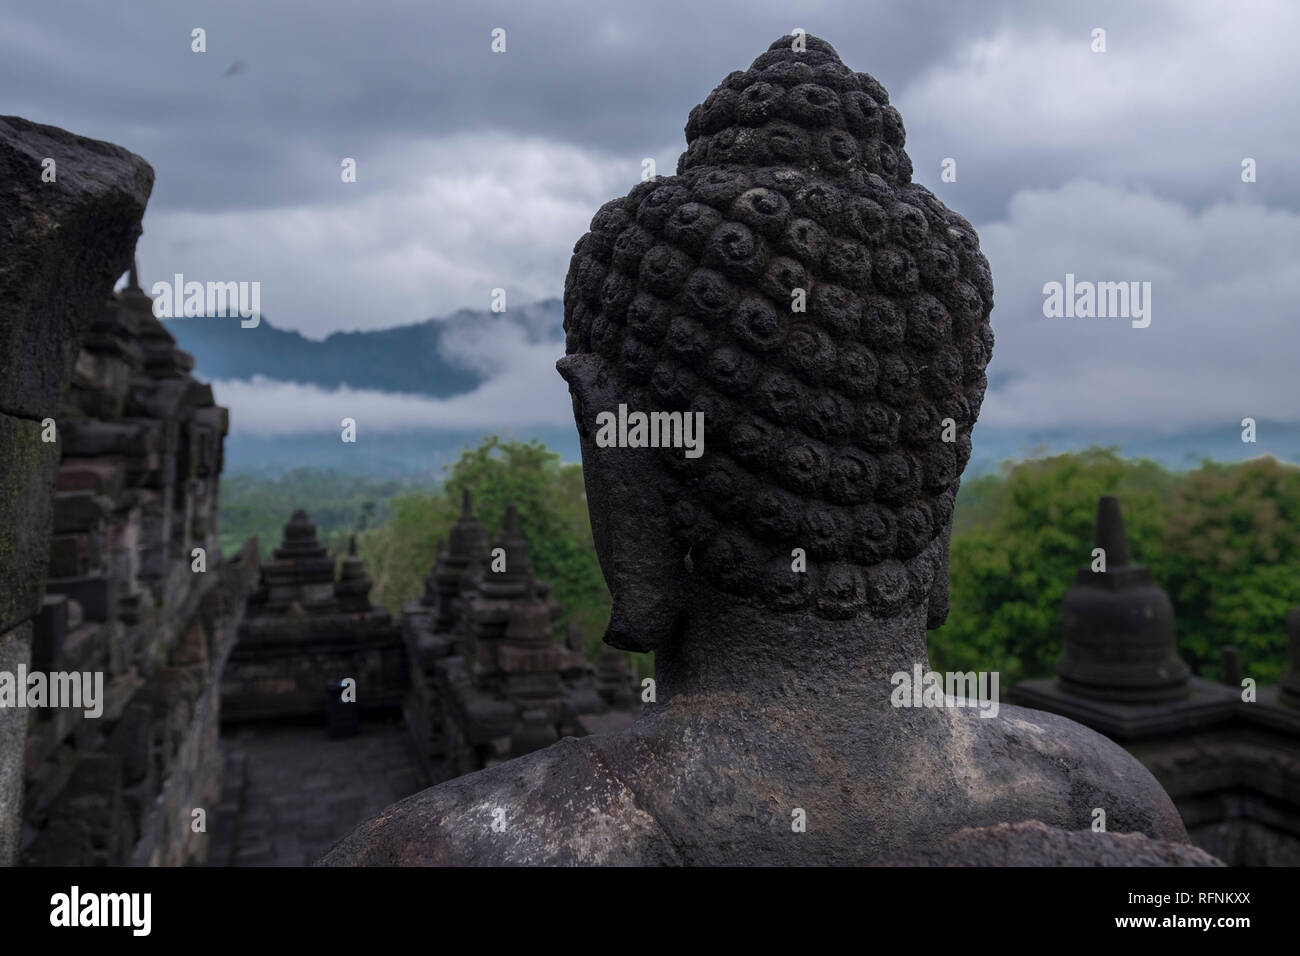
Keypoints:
pixel 477 170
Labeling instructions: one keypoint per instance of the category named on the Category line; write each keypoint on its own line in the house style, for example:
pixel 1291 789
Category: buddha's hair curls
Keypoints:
pixel 826 427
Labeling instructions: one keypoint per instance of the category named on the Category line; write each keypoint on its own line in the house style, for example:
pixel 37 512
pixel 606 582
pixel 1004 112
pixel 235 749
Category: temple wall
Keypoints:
pixel 1235 783
pixel 194 770
pixel 279 680
pixel 421 708
pixel 137 593
pixel 66 243
pixel 110 462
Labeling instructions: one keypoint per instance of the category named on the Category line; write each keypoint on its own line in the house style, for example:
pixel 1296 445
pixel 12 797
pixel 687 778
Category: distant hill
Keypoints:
pixel 438 358
pixel 1179 450
pixel 413 359
pixel 415 454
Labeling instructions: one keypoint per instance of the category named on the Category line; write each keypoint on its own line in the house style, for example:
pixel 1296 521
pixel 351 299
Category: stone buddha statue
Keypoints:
pixel 829 319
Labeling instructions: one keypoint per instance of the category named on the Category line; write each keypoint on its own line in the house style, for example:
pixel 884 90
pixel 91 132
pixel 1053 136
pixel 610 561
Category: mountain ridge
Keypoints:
pixel 421 358
pixel 456 354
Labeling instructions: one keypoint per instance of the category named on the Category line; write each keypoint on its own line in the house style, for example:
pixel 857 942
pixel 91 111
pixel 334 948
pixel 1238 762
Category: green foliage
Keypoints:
pixel 1221 540
pixel 552 506
pixel 979 502
pixel 338 503
pixel 1232 564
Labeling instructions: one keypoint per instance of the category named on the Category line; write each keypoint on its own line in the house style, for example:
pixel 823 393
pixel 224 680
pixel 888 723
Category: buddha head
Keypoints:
pixel 822 317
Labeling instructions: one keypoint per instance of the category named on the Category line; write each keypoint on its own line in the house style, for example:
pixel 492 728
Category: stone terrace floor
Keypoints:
pixel 290 791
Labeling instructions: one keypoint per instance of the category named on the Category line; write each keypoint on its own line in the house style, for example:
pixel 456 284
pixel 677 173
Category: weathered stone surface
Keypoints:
pixel 70 555
pixel 49 630
pixel 96 594
pixel 1289 684
pixel 79 510
pixel 94 797
pixel 89 438
pixel 65 242
pixel 697 785
pixel 27 469
pixel 824 434
pixel 132 741
pixel 440 826
pixel 119 790
pixel 15 651
pixel 104 476
pixel 1035 844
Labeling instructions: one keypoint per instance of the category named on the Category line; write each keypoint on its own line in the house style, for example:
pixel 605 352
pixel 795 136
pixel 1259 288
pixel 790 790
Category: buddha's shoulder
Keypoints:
pixel 560 806
pixel 1071 767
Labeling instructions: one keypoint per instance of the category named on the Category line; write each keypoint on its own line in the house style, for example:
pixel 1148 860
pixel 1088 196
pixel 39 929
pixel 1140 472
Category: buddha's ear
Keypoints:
pixel 937 605
pixel 582 373
pixel 638 554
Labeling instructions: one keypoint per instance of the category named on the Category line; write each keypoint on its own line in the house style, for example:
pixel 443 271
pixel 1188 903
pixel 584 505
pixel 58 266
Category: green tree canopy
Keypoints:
pixel 1222 540
pixel 552 505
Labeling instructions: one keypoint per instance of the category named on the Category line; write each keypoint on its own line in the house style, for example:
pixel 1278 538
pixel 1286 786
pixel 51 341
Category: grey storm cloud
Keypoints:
pixel 478 170
pixel 1221 341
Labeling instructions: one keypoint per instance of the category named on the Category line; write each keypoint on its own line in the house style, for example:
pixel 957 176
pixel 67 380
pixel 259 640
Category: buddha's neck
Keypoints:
pixel 728 648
